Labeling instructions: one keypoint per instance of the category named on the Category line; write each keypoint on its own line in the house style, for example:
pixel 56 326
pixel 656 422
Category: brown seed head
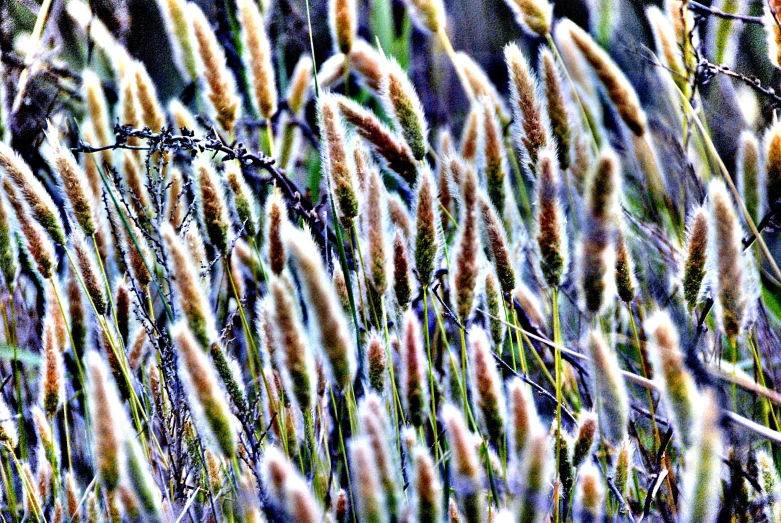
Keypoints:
pixel 343 22
pixel 531 133
pixel 257 58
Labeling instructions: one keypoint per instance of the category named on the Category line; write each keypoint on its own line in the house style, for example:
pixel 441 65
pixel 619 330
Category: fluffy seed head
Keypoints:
pixel 377 362
pixel 293 351
pixel 402 288
pixel 494 156
pixel 414 382
pixel 213 207
pixel 257 58
pixel 597 253
pixel 481 85
pixel 192 298
pixel 396 153
pixel 336 161
pixel 551 236
pixel 471 136
pixel 221 89
pixel 375 230
pixel 773 31
pixel 625 269
pixel 531 133
pixel 427 487
pixel 523 421
pixel 726 246
pixel 402 103
pixel 243 199
pixel 369 497
pixel 180 34
pixel 343 22
pixel 611 394
pixel 696 256
pixel 330 323
pixel 535 471
pixel 702 480
pixel 7 255
pixel 751 175
pixel 72 178
pixel 105 408
pixel 429 14
pixel 97 107
pixel 276 219
pixel 679 392
pixel 467 267
pixel 206 396
pixel 773 165
pixel 585 439
pixel 534 16
pixel 152 114
pixel 590 495
pixel 427 228
pixel 558 110
pixel 618 88
pixel 53 378
pixel 487 386
pixel 465 466
pixel 38 243
pixel 42 207
pixel 376 427
pixel 493 302
pixel 496 238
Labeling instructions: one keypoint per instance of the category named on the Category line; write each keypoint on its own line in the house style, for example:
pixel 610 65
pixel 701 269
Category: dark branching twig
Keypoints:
pixel 704 9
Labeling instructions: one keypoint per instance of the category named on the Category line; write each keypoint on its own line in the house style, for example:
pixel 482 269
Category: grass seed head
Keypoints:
pixel 585 438
pixel 496 238
pixel 531 132
pixel 427 228
pixel 343 22
pixel 702 480
pixel 551 223
pixel 487 386
pixel 590 495
pixel 414 383
pixel 534 16
pixel 402 103
pixel 428 14
pixel 38 243
pixel 611 392
pixel 257 58
pixel 751 174
pixel 336 161
pixel 180 34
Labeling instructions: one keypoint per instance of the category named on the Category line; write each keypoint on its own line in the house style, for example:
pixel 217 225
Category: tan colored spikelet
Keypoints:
pixel 180 35
pixel 343 22
pixel 773 31
pixel 558 108
pixel 611 392
pixel 665 41
pixel 181 116
pixel 369 497
pixel 702 479
pixel 585 438
pixel 374 421
pixel 487 386
pixel 368 63
pixel 444 180
pixel 90 165
pixel 679 392
pixel 465 258
pixel 42 207
pixel 494 304
pixel 377 362
pixel 470 136
pixel 332 330
pixel 336 161
pixel 536 466
pixel 129 112
pixel 575 64
pixel 427 487
pixel 773 163
pixel 293 351
pixel 429 14
pixel 134 175
pixel 72 496
pixel 138 252
pixel 152 114
pixel 276 220
pixel 375 230
pixel 402 287
pixel 618 88
pixel 214 210
pixel 726 253
pixel 53 378
pixel 394 151
pixel 597 252
pixel 402 103
pixel 138 350
pixel 465 465
pixel 363 166
pixel 38 243
pixel 257 58
pixel 531 133
pixel 98 111
pixel 400 216
pixel 696 256
pixel 331 71
pixel 590 494
pixel 494 156
pixel 192 298
pixel 751 174
pixel 534 16
pixel 625 269
pixel 496 238
pixel 414 383
pixel 72 178
pixel 551 235
pixel 298 89
pixel 105 408
pixel 243 199
pixel 207 397
pixel 523 421
pixel 221 91
pixel 427 228
pixel 481 85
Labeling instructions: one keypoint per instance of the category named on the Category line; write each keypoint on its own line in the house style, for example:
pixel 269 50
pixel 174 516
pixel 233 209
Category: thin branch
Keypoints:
pixel 698 7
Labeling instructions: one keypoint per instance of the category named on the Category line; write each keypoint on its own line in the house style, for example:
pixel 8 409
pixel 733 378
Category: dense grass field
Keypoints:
pixel 389 262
